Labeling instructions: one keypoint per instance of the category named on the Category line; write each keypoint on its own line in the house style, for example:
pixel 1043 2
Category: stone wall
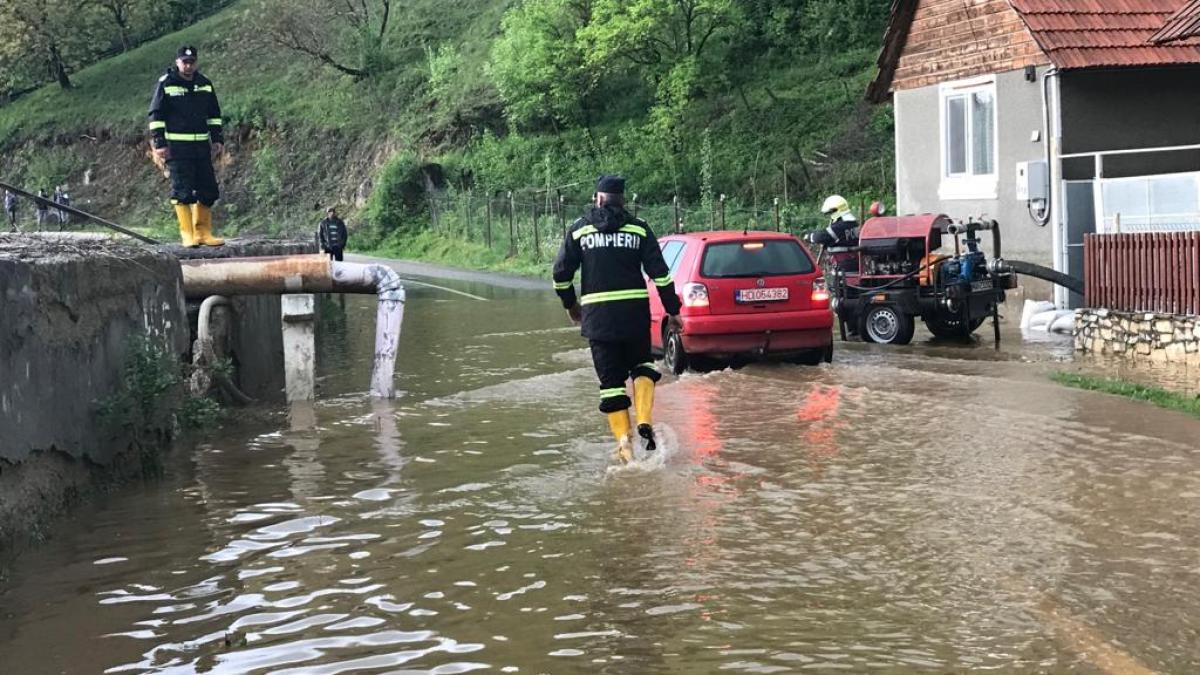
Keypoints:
pixel 1161 338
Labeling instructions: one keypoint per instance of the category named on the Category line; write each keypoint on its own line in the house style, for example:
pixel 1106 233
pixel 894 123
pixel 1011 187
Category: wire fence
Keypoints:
pixel 533 226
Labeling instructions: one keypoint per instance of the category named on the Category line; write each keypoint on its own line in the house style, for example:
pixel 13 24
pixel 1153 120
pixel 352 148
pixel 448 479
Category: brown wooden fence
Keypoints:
pixel 1143 272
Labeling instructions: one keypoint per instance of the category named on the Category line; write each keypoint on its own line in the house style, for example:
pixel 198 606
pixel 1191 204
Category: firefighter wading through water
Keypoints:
pixel 613 247
pixel 185 127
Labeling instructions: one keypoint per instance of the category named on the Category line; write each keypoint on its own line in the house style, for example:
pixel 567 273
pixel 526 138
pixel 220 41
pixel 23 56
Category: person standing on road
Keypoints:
pixel 332 235
pixel 185 129
pixel 10 207
pixel 613 248
pixel 61 196
pixel 41 206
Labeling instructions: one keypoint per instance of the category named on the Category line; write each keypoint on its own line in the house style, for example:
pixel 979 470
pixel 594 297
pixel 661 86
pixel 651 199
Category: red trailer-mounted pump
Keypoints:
pixel 898 273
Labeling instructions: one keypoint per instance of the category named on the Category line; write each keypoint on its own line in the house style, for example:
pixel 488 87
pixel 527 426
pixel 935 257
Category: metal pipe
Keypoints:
pixel 389 316
pixel 1044 217
pixel 202 328
pixel 203 355
pixel 311 274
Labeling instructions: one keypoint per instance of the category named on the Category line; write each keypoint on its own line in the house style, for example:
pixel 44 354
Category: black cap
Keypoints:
pixel 186 52
pixel 614 185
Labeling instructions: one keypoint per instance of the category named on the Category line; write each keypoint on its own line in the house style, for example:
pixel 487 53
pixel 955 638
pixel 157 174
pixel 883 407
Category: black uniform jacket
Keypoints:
pixel 613 248
pixel 184 115
pixel 332 234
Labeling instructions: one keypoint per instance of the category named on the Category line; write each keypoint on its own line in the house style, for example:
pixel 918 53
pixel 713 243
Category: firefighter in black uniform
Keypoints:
pixel 613 247
pixel 185 127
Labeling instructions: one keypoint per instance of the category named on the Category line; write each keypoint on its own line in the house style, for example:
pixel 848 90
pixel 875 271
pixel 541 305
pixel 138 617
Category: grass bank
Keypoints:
pixel 1162 398
pixel 443 249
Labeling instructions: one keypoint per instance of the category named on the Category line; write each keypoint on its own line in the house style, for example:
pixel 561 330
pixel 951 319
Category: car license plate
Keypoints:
pixel 762 295
pixel 981 285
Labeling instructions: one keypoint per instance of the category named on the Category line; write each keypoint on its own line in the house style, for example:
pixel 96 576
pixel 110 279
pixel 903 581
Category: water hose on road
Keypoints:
pixel 280 275
pixel 1046 274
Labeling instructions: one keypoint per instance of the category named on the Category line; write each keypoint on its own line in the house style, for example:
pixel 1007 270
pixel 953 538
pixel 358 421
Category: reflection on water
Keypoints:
pixel 934 508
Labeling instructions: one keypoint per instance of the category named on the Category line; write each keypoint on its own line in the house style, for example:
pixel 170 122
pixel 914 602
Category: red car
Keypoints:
pixel 745 294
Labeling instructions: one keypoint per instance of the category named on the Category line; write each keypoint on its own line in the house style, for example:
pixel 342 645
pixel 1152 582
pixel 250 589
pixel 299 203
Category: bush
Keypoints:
pixel 397 204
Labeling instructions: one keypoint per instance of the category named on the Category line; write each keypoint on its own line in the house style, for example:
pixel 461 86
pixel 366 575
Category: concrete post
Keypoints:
pixel 299 346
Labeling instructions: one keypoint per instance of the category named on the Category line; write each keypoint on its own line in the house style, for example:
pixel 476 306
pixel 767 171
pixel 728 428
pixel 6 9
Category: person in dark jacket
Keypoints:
pixel 613 248
pixel 10 207
pixel 332 235
pixel 185 129
pixel 41 209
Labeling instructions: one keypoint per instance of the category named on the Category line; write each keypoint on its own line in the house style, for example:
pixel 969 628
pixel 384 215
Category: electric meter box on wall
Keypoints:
pixel 1033 181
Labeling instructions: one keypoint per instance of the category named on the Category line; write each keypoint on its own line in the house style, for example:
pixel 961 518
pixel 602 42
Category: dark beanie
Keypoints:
pixel 611 184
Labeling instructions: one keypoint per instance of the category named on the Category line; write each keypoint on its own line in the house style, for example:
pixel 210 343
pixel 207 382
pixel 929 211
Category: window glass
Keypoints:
pixel 983 121
pixel 755 259
pixel 670 252
pixel 956 135
pixel 1175 201
pixel 675 261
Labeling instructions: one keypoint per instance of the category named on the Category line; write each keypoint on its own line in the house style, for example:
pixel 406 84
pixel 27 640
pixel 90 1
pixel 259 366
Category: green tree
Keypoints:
pixel 670 42
pixel 57 31
pixel 348 36
pixel 540 66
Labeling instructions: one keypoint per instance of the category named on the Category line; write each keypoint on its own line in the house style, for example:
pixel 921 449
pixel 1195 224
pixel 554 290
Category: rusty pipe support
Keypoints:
pixel 278 275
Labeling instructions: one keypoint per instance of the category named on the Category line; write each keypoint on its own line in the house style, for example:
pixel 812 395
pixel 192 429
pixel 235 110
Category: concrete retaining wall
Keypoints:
pixel 69 307
pixel 1160 338
pixel 68 311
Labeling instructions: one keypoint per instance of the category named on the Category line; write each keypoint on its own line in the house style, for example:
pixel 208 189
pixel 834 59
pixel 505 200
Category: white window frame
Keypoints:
pixel 968 185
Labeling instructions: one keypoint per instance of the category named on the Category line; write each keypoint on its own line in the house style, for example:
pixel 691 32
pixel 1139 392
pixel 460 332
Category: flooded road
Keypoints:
pixel 938 508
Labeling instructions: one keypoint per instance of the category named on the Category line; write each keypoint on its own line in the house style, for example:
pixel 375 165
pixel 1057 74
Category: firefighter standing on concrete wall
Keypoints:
pixel 185 127
pixel 613 247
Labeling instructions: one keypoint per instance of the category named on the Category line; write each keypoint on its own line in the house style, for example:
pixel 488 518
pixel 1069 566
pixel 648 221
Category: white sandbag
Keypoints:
pixel 1064 324
pixel 1033 308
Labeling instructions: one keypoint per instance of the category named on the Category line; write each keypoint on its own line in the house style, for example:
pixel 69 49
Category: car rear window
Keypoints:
pixel 772 257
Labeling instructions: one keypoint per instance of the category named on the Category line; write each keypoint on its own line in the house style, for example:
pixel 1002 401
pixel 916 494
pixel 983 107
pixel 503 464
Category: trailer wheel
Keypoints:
pixel 952 328
pixel 887 325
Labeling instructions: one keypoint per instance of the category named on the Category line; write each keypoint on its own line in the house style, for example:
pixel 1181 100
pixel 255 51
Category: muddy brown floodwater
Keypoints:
pixel 932 508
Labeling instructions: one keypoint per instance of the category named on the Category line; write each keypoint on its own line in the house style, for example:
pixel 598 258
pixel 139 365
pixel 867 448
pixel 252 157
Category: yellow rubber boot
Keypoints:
pixel 643 401
pixel 618 422
pixel 203 219
pixel 187 226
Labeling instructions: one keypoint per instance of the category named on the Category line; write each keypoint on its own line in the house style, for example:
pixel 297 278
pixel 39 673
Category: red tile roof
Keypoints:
pixel 1184 24
pixel 1106 33
pixel 1077 34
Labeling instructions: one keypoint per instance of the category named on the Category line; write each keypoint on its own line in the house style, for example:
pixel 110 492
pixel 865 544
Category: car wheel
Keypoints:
pixel 887 325
pixel 674 356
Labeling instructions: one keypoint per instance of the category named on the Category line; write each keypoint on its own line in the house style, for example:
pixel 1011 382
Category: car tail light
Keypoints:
pixel 820 292
pixel 695 295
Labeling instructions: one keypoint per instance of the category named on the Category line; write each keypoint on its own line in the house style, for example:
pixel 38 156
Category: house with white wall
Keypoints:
pixel 1055 117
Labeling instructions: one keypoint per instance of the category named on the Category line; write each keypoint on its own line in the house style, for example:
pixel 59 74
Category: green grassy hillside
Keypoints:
pixel 301 134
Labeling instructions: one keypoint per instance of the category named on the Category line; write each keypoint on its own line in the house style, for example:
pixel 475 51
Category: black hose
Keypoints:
pixel 1047 274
